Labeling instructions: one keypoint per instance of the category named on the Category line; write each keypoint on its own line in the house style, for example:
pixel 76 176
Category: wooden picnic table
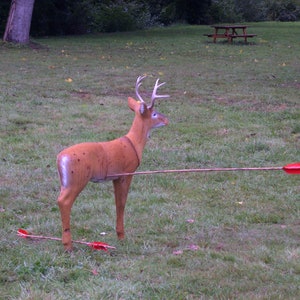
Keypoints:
pixel 230 32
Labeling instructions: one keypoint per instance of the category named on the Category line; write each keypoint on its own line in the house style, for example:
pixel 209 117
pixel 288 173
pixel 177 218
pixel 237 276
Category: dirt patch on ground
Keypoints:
pixel 295 85
pixel 82 95
pixel 251 105
pixel 231 238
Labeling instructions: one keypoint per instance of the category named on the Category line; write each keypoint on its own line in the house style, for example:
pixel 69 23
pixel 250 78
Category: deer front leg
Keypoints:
pixel 65 202
pixel 121 188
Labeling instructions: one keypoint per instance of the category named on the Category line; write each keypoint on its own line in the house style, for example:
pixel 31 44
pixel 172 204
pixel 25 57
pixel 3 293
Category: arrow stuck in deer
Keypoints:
pixel 293 168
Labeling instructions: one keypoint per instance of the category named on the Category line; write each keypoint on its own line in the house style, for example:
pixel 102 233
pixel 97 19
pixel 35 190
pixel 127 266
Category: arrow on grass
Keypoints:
pixel 94 245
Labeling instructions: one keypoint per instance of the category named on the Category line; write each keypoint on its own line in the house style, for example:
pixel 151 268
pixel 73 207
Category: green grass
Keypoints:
pixel 231 106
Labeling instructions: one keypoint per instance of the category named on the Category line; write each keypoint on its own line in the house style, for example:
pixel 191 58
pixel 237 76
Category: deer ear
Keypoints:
pixel 137 105
pixel 132 103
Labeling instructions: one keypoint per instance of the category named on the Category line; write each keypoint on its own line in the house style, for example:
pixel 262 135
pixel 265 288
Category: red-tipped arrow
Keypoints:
pixel 94 245
pixel 293 168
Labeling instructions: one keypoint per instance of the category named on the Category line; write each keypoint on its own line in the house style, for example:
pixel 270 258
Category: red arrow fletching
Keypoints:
pixel 292 168
pixel 100 246
pixel 23 233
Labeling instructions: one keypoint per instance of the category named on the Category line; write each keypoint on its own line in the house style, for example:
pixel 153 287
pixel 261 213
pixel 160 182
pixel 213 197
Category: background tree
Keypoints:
pixel 62 17
pixel 193 11
pixel 283 10
pixel 255 10
pixel 225 11
pixel 19 21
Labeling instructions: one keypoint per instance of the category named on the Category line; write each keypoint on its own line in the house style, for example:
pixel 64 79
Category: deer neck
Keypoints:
pixel 138 135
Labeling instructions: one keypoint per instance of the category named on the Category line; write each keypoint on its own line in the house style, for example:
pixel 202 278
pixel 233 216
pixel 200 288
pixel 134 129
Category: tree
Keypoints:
pixel 19 21
pixel 193 11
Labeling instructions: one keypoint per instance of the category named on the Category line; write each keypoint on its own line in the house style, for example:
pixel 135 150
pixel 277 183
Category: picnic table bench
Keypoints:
pixel 230 32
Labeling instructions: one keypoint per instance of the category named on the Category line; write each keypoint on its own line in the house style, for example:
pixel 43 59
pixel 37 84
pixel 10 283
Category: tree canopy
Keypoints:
pixel 61 17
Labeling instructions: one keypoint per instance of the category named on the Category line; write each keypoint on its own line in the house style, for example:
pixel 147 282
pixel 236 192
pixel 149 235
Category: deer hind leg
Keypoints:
pixel 65 201
pixel 121 188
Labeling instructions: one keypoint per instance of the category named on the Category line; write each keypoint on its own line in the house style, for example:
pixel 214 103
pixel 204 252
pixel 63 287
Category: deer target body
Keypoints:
pixel 100 161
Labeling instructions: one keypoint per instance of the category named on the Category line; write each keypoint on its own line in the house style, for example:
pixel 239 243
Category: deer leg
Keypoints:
pixel 65 201
pixel 121 188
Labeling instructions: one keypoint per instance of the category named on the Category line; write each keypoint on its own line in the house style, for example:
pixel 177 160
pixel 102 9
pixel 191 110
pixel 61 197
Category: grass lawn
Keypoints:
pixel 233 235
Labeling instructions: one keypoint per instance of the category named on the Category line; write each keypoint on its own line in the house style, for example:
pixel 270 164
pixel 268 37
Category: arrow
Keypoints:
pixel 293 168
pixel 94 245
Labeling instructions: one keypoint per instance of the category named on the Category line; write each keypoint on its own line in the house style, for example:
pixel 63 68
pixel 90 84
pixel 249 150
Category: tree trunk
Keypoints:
pixel 19 21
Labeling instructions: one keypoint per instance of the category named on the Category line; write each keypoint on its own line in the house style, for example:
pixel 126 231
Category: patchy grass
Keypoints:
pixel 189 236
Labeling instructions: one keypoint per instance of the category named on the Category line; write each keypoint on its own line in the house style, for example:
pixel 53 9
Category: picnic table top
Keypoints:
pixel 229 26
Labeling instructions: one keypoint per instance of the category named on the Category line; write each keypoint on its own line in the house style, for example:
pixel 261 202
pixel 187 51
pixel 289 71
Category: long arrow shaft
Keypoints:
pixel 197 171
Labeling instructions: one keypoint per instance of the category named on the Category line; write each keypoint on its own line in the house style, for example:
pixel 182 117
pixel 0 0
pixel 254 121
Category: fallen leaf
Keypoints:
pixel 95 272
pixel 194 247
pixel 190 220
pixel 177 252
pixel 220 247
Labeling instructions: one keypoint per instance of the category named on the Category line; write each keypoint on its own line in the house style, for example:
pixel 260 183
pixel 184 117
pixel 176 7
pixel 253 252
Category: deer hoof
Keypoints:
pixel 68 248
pixel 121 235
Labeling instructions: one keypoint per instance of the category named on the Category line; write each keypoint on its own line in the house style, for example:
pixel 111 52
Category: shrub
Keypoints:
pixel 122 16
pixel 225 11
pixel 254 10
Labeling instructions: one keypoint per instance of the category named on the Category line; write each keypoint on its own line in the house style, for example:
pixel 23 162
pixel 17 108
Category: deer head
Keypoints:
pixel 150 117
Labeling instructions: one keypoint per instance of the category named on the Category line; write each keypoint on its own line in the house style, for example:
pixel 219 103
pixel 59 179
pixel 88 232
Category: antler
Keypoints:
pixel 137 85
pixel 154 95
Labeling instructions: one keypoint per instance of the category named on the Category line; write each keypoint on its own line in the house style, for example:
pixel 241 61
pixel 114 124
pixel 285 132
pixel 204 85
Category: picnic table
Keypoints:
pixel 230 32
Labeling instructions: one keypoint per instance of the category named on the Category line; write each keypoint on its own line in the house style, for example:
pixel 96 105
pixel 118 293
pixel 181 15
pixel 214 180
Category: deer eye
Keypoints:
pixel 154 114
